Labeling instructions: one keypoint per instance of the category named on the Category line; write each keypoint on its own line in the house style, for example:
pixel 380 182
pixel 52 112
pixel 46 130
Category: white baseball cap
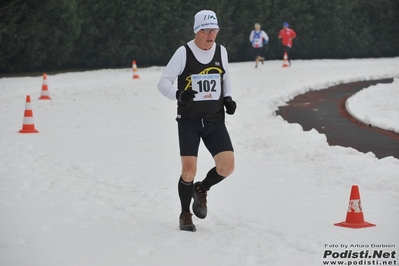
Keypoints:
pixel 205 19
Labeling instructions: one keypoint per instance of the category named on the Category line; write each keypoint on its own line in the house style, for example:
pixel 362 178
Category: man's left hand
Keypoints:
pixel 230 105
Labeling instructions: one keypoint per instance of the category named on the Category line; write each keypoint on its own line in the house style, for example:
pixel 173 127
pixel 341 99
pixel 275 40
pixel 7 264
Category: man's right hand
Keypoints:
pixel 186 96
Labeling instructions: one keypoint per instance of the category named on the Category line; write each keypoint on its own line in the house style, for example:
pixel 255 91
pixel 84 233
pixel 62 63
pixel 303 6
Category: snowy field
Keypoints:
pixel 98 185
pixel 377 106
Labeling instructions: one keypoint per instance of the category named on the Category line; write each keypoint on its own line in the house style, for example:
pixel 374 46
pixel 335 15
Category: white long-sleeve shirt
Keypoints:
pixel 257 38
pixel 177 64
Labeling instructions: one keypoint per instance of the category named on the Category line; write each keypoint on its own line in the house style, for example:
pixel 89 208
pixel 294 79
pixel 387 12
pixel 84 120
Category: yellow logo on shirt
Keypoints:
pixel 203 72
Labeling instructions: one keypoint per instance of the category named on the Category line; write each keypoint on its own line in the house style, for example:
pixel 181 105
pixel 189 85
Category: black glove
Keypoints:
pixel 186 96
pixel 230 105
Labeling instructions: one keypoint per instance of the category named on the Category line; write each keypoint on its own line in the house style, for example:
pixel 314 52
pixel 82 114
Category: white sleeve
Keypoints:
pixel 227 88
pixel 251 36
pixel 172 70
pixel 265 36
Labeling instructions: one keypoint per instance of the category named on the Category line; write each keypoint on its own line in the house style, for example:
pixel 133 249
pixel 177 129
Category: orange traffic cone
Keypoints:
pixel 28 125
pixel 45 94
pixel 135 75
pixel 354 216
pixel 285 62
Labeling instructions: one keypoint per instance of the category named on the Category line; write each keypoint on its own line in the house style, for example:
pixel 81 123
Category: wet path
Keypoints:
pixel 324 110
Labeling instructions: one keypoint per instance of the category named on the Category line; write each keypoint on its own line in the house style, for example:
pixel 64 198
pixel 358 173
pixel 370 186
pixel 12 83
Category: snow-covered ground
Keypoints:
pixel 377 106
pixel 98 185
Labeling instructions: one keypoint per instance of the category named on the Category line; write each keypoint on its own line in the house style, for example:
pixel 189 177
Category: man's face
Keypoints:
pixel 205 38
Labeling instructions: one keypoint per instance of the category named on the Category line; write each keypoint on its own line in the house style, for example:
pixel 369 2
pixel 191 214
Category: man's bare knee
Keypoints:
pixel 188 176
pixel 224 163
pixel 189 168
pixel 225 170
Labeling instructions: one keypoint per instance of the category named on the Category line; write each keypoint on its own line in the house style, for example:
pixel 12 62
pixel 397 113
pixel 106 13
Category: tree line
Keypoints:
pixel 56 35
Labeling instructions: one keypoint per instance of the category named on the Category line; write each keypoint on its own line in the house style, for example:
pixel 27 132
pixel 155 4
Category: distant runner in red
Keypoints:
pixel 287 35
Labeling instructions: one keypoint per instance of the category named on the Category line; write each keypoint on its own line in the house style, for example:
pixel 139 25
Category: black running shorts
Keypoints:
pixel 213 134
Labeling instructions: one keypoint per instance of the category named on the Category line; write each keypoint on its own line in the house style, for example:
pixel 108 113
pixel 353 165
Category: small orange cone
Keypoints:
pixel 45 94
pixel 28 125
pixel 354 216
pixel 135 75
pixel 285 62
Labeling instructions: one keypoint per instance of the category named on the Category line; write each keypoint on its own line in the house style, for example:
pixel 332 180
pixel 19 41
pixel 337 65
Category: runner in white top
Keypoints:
pixel 258 38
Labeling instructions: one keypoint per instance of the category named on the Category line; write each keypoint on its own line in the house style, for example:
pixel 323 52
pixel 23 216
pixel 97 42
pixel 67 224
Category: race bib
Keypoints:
pixel 207 85
pixel 257 42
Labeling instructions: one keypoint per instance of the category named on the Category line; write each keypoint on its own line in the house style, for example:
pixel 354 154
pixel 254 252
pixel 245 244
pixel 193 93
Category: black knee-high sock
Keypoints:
pixel 185 194
pixel 212 178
